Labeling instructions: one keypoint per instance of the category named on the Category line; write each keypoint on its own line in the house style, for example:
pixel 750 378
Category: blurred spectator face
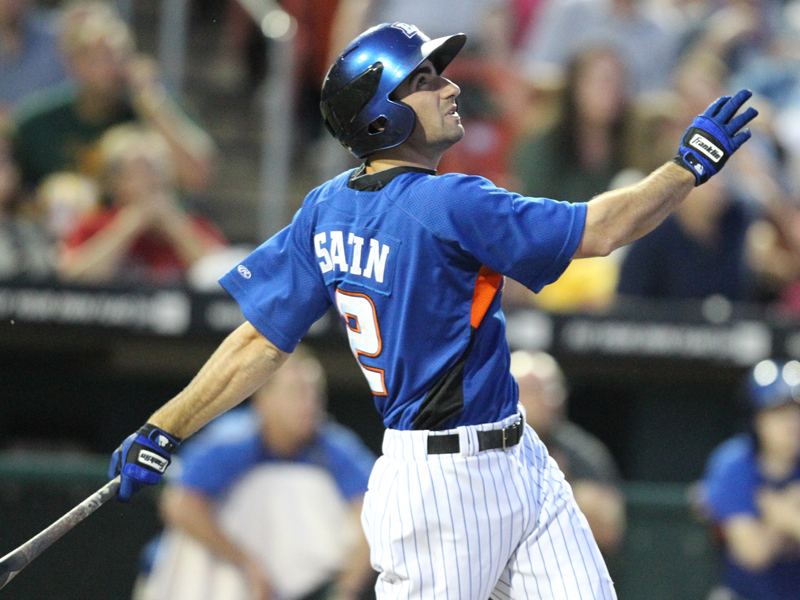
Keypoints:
pixel 12 11
pixel 99 66
pixel 137 176
pixel 541 389
pixel 98 46
pixel 293 401
pixel 136 163
pixel 699 81
pixel 778 430
pixel 64 198
pixel 599 87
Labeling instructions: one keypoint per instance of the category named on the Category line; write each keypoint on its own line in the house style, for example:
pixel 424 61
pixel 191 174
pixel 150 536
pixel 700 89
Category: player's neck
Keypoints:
pixel 402 156
pixel 382 165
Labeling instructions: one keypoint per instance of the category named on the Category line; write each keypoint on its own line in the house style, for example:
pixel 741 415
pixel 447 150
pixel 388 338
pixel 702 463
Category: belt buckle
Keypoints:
pixel 504 430
pixel 504 433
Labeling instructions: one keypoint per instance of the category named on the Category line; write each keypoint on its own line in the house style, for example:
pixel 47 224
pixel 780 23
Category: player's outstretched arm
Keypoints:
pixel 619 217
pixel 241 364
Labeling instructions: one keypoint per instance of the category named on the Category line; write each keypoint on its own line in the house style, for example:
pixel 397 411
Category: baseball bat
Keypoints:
pixel 16 560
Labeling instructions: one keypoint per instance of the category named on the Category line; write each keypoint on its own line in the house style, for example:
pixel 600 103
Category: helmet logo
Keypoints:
pixel 409 30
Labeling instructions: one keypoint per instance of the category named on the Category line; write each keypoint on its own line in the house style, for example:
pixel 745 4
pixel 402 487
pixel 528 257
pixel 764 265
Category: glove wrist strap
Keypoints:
pixel 160 437
pixel 681 161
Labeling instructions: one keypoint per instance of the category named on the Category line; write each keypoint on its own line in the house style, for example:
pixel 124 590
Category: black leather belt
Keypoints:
pixel 487 440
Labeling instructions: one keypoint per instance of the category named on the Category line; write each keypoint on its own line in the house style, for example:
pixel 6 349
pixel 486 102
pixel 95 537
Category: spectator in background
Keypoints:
pixel 63 200
pixel 29 55
pixel 143 235
pixel 587 464
pixel 111 85
pixel 578 157
pixel 723 240
pixel 698 251
pixel 751 490
pixel 267 502
pixel 568 26
pixel 486 23
pixel 25 250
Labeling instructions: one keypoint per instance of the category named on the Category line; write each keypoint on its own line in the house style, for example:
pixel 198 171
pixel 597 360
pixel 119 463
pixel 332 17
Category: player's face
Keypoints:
pixel 433 100
pixel 778 430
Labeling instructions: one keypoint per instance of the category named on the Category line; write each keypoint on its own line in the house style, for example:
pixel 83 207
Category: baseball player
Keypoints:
pixel 751 489
pixel 465 502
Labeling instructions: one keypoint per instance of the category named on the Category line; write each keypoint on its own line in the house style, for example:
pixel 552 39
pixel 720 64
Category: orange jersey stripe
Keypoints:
pixel 486 287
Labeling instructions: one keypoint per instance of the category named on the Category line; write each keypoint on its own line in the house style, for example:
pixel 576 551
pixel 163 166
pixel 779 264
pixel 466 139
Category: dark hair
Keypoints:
pixel 566 128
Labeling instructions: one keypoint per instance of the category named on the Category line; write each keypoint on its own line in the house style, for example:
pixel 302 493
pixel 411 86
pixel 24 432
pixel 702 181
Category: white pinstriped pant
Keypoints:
pixel 476 525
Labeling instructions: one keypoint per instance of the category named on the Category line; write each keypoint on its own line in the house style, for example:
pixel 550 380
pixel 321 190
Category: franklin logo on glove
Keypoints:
pixel 142 459
pixel 706 147
pixel 153 460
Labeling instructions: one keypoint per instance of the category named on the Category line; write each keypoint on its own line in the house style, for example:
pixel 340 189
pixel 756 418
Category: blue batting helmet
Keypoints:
pixel 774 383
pixel 356 103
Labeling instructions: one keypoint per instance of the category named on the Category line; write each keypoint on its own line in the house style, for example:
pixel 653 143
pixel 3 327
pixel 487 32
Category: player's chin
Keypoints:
pixel 456 133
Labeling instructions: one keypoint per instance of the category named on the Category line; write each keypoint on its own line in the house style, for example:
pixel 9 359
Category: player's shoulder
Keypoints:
pixel 235 429
pixel 452 196
pixel 734 455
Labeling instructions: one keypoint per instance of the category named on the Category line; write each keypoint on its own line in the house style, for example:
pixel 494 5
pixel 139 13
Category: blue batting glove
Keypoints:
pixel 142 459
pixel 712 137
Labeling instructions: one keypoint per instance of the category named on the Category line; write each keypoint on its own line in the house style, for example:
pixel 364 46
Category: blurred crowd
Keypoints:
pixel 97 162
pixel 99 166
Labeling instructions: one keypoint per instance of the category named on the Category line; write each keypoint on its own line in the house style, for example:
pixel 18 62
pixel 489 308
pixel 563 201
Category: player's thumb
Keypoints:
pixel 125 489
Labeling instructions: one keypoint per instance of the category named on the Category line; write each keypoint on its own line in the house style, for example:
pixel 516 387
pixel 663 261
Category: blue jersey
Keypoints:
pixel 413 263
pixel 232 446
pixel 731 483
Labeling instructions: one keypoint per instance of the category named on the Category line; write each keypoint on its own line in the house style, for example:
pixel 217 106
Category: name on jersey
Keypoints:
pixel 356 256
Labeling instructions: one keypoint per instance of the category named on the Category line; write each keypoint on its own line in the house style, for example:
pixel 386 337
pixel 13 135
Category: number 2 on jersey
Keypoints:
pixel 361 321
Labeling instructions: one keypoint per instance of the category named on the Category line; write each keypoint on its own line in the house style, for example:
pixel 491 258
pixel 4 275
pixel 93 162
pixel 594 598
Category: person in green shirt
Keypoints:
pixel 111 84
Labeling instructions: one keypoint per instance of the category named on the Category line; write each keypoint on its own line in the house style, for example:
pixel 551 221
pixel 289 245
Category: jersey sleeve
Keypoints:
pixel 279 287
pixel 729 484
pixel 531 240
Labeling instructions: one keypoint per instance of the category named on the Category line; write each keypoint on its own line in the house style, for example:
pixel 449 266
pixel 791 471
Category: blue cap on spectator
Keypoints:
pixel 773 383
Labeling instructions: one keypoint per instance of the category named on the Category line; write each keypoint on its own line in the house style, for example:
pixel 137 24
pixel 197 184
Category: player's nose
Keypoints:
pixel 448 89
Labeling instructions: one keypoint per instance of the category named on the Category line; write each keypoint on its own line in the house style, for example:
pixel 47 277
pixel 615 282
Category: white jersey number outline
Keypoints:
pixel 364 334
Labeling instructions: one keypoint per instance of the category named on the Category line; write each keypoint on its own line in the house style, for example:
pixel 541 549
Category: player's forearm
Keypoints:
pixel 241 364
pixel 619 217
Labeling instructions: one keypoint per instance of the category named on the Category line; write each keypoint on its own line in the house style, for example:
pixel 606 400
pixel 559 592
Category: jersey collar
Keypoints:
pixel 373 182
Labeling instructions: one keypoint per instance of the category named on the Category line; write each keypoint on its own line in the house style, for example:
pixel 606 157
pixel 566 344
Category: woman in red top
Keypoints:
pixel 144 235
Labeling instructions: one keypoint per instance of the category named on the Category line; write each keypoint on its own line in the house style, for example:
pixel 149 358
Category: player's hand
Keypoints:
pixel 142 459
pixel 714 136
pixel 260 589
